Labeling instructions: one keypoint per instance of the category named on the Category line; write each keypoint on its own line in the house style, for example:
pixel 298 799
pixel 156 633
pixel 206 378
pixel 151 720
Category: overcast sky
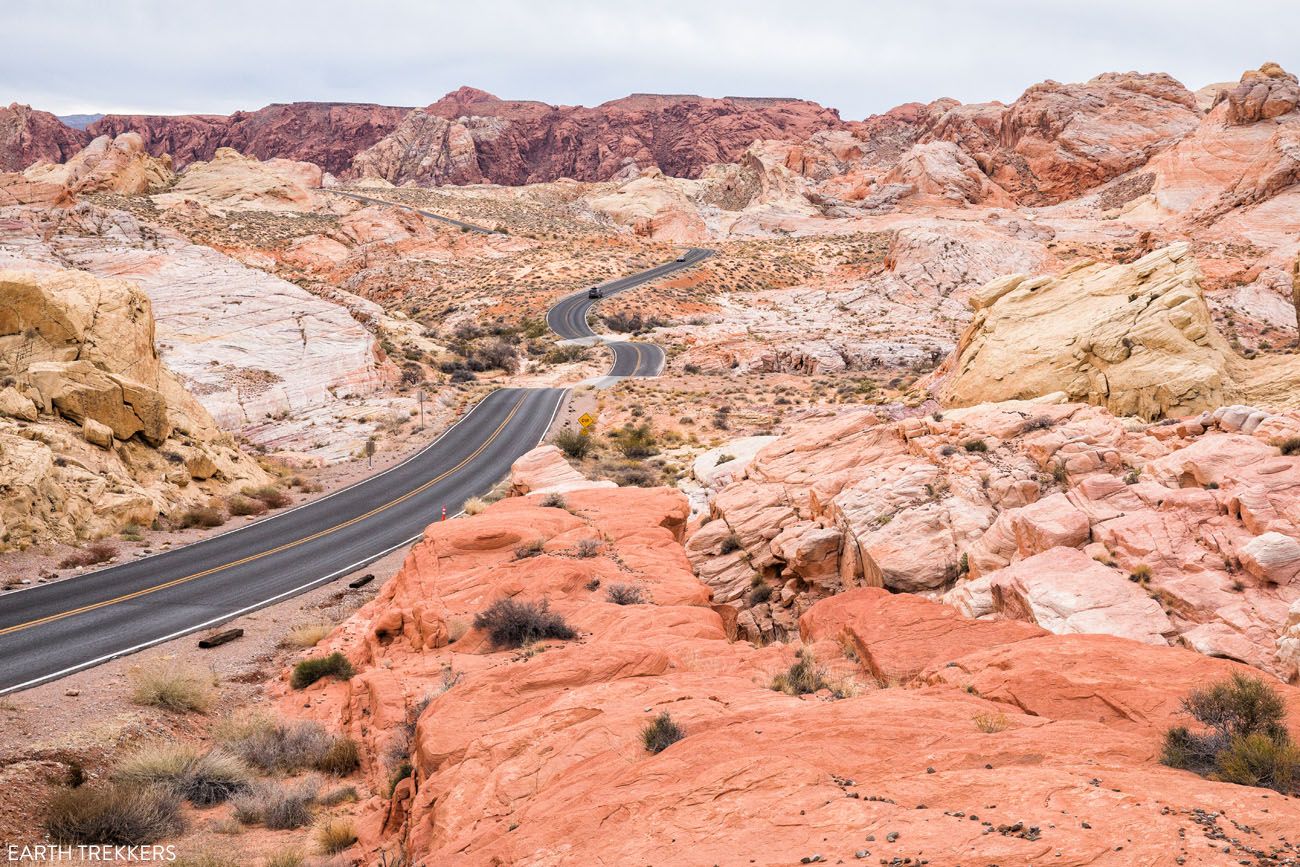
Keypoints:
pixel 861 57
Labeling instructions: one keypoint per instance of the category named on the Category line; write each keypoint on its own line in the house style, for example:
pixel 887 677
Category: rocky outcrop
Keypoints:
pixel 1137 339
pixel 509 750
pixel 95 432
pixel 28 136
pixel 231 181
pixel 1263 94
pixel 1056 514
pixel 324 133
pixel 545 471
pixel 470 136
pixel 119 165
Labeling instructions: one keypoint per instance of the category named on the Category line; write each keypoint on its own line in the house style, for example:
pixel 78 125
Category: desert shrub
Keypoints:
pixel 530 549
pixel 624 594
pixel 474 505
pixel 92 555
pixel 1290 446
pixel 116 815
pixel 206 859
pixel 171 687
pixel 241 506
pixel 308 634
pixel 635 475
pixel 459 376
pixel 730 543
pixel 1260 760
pixel 760 593
pixel 511 623
pixel 991 723
pixel 314 668
pixel 278 807
pixel 587 548
pixel 279 747
pixel 554 501
pixel 661 733
pixel 341 757
pixel 269 495
pixel 1038 422
pixel 335 835
pixel 575 444
pixel 1244 738
pixel 201 516
pixel 975 445
pixel 203 779
pixel 341 795
pixel 403 770
pixel 637 442
pixel 565 354
pixel 804 676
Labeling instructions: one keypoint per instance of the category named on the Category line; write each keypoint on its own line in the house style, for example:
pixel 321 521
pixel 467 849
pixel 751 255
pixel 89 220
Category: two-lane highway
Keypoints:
pixel 55 629
pixel 568 318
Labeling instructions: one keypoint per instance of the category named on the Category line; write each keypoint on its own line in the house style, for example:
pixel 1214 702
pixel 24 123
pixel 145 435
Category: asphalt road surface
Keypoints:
pixel 460 224
pixel 568 318
pixel 52 630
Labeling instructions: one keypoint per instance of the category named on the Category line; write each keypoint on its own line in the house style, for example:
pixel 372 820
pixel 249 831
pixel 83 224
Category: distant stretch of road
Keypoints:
pixel 460 224
pixel 52 630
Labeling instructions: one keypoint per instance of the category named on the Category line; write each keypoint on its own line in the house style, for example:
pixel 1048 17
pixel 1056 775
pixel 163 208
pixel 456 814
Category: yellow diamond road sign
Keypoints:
pixel 586 420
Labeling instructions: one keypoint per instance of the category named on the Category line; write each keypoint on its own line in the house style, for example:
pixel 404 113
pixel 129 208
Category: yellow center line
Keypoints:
pixel 251 558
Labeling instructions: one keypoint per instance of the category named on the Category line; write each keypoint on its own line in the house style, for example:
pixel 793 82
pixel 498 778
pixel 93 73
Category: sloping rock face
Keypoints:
pixel 1137 339
pixel 28 136
pixel 95 432
pixel 533 758
pixel 119 165
pixel 470 136
pixel 327 134
pixel 1056 514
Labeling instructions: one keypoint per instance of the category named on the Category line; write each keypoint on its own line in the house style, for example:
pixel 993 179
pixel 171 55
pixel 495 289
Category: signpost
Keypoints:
pixel 586 421
pixel 419 395
pixel 370 451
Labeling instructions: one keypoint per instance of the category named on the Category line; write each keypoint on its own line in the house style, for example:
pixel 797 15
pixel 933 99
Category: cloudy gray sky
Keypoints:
pixel 860 57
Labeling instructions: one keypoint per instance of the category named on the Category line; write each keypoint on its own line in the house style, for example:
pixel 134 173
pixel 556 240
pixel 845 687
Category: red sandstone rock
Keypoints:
pixel 28 136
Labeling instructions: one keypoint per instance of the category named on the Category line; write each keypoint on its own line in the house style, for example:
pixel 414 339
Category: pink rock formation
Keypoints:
pixel 1011 745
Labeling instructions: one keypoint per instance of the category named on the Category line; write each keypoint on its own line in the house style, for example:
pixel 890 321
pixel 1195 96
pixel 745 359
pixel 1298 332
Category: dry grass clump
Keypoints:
pixel 202 778
pixel 803 677
pixel 173 687
pixel 285 858
pixel 335 835
pixel 269 496
pixel 116 815
pixel 530 549
pixel 201 516
pixel 991 723
pixel 587 548
pixel 474 506
pixel 241 506
pixel 308 634
pixel 206 859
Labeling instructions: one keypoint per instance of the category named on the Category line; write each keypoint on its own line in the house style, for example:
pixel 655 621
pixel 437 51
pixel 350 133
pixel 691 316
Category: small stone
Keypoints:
pixel 891 836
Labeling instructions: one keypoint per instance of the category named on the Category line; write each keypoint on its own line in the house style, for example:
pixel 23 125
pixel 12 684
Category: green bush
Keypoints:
pixel 575 444
pixel 661 733
pixel 1260 760
pixel 311 670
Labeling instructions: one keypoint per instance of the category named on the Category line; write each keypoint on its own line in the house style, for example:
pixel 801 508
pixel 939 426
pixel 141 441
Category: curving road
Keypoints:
pixel 52 630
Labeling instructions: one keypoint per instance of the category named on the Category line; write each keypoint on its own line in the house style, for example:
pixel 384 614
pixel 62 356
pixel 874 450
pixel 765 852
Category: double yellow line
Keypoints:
pixel 286 546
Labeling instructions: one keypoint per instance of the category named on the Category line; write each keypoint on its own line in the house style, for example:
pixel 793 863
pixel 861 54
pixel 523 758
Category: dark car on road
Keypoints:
pixel 595 292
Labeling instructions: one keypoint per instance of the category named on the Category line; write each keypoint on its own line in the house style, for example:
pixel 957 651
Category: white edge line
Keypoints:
pixel 256 605
pixel 269 518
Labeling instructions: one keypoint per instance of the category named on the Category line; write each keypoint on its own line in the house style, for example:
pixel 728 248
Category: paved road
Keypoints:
pixel 460 224
pixel 55 629
pixel 568 318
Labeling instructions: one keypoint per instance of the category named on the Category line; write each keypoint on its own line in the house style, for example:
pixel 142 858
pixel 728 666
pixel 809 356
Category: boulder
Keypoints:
pixel 96 433
pixel 1272 557
pixel 545 471
pixel 15 404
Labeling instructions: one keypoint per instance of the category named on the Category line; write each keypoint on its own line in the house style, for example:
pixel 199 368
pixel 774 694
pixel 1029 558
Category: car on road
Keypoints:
pixel 595 292
pixel 681 258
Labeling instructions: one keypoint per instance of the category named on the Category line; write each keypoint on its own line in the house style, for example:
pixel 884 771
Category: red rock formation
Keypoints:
pixel 327 134
pixel 1263 94
pixel 470 136
pixel 28 136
